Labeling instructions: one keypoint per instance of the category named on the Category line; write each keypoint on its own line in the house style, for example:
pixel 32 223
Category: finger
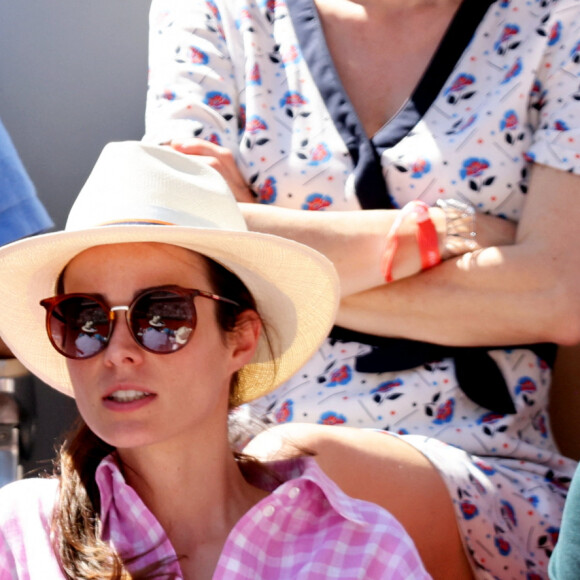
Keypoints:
pixel 222 160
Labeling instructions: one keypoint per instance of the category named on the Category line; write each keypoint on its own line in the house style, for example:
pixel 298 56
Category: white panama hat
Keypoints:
pixel 148 193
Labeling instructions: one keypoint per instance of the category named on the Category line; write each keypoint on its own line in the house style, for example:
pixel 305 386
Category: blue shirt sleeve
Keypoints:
pixel 21 212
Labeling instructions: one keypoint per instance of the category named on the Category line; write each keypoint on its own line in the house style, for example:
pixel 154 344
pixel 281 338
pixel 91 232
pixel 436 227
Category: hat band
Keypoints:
pixel 137 221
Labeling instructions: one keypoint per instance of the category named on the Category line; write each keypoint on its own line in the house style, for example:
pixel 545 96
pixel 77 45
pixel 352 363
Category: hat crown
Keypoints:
pixel 135 183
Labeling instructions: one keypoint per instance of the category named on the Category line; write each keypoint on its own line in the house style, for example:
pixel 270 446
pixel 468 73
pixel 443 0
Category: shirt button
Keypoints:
pixel 293 493
pixel 269 510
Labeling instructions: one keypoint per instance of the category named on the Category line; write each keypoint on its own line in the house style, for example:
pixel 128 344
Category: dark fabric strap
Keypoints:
pixel 477 373
pixel 370 185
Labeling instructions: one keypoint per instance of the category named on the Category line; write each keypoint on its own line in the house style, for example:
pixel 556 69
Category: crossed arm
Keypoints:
pixel 519 286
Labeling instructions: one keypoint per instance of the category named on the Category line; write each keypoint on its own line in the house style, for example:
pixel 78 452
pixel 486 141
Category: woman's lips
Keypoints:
pixel 127 399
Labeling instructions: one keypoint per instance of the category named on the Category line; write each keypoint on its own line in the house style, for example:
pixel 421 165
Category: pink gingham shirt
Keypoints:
pixel 306 529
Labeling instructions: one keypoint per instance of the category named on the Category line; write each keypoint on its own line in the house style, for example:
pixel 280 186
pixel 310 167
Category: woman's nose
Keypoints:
pixel 122 347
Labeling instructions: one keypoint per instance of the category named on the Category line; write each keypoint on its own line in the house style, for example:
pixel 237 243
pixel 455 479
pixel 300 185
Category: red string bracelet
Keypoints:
pixel 427 238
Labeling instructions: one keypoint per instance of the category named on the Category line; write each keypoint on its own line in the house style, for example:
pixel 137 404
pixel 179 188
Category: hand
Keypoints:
pixel 494 231
pixel 219 158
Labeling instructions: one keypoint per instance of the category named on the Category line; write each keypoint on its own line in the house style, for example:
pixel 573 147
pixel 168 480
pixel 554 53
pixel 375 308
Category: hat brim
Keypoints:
pixel 295 288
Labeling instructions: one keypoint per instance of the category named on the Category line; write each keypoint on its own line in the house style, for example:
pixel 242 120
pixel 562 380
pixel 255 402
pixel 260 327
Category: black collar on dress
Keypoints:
pixel 370 184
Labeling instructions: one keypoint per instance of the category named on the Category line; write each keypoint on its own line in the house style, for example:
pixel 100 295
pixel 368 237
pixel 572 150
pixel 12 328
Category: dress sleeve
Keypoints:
pixel 192 86
pixel 555 97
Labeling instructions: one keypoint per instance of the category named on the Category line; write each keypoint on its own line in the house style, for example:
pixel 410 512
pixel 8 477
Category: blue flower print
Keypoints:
pixel 510 121
pixel 539 424
pixel 215 139
pixel 255 77
pixel 341 376
pixel 320 154
pixel 560 125
pixel 294 103
pixel 267 191
pixel 291 56
pixel 245 22
pixel 476 167
pixel 509 125
pixel 444 412
pixel 197 56
pixel 490 418
pixel 492 423
pixel 507 40
pixel 554 534
pixel 317 202
pixel 461 88
pixel 331 418
pixel 508 513
pixel 526 385
pixel 384 391
pixel 270 6
pixel 502 545
pixel 213 9
pixel 468 509
pixel 513 72
pixel 293 99
pixel 485 467
pixel 419 168
pixel 217 100
pixel 169 95
pixel 555 33
pixel 286 412
pixel 255 125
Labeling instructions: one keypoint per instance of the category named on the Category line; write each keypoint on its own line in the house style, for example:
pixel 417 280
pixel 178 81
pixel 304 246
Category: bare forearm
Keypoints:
pixel 497 296
pixel 354 241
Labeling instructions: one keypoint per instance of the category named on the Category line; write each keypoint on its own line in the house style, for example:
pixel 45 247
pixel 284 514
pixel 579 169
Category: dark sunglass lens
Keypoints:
pixel 79 326
pixel 162 320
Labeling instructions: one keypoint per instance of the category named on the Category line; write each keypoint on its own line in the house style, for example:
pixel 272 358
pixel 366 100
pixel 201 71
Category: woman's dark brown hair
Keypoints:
pixel 76 525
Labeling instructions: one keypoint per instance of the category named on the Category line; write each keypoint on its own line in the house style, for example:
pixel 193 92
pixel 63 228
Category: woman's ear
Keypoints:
pixel 243 339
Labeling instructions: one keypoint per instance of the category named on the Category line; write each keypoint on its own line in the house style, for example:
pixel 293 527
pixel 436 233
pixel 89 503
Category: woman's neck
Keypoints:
pixel 197 494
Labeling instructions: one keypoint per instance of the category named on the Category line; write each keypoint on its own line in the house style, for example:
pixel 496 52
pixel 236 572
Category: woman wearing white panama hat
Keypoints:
pixel 147 486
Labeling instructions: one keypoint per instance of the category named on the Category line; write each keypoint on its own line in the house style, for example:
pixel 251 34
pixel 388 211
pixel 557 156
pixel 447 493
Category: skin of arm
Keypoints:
pixel 497 295
pixel 509 293
pixel 518 294
pixel 355 240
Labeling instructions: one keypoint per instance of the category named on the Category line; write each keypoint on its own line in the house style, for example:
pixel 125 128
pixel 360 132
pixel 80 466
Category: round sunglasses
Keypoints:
pixel 161 320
